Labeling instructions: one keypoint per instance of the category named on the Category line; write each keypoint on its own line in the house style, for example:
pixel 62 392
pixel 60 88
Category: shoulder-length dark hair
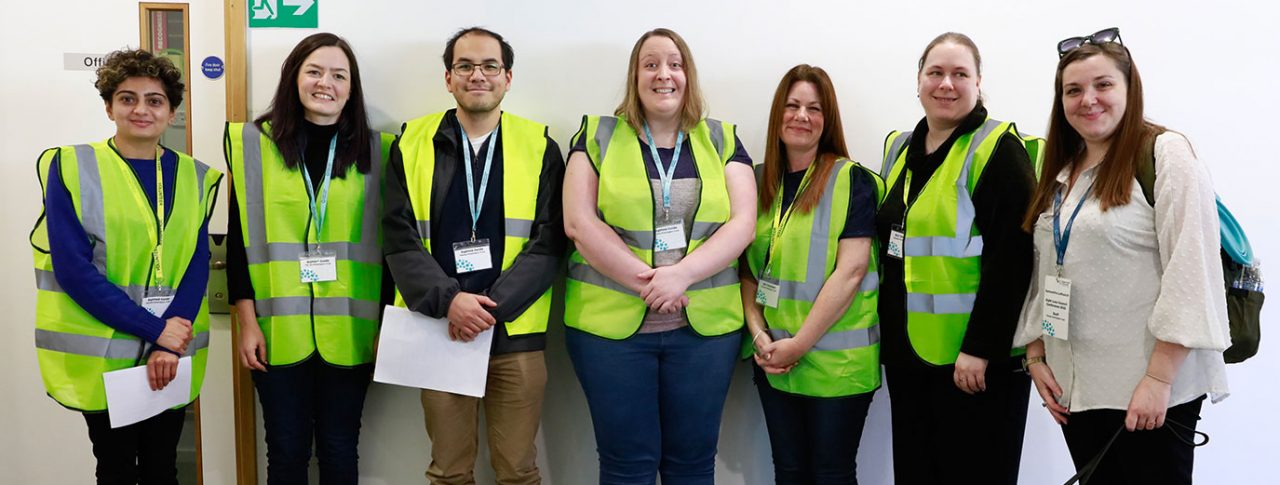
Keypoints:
pixel 831 145
pixel 1131 142
pixel 286 113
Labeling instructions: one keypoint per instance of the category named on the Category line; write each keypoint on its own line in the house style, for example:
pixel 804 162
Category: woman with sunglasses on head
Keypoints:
pixel 659 202
pixel 954 270
pixel 304 261
pixel 1136 321
pixel 809 286
pixel 122 260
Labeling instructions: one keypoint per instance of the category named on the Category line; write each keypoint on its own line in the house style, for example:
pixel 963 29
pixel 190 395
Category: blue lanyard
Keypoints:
pixel 1061 237
pixel 671 169
pixel 318 209
pixel 484 177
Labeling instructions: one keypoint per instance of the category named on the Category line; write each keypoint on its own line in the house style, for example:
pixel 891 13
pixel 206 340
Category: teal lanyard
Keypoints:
pixel 666 176
pixel 318 207
pixel 484 177
pixel 1061 235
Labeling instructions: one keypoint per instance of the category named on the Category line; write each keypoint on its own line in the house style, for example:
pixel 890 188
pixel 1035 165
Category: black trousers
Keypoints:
pixel 1156 456
pixel 142 453
pixel 942 435
pixel 814 439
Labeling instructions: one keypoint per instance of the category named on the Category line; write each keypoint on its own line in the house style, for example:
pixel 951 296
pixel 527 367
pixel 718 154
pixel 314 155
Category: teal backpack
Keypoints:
pixel 1243 278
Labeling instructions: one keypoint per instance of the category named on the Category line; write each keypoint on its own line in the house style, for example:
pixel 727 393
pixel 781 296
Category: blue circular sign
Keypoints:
pixel 211 67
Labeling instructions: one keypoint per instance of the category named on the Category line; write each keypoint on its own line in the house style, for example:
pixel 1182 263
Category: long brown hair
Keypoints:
pixel 831 144
pixel 286 113
pixel 694 104
pixel 1130 143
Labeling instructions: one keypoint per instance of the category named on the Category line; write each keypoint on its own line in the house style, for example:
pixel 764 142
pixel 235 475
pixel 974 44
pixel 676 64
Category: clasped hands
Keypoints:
pixel 162 367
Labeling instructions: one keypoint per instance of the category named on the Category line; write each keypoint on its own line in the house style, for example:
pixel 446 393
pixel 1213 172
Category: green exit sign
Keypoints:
pixel 290 14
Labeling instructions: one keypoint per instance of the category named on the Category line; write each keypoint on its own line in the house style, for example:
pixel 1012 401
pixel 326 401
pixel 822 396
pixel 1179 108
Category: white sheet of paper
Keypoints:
pixel 130 398
pixel 414 350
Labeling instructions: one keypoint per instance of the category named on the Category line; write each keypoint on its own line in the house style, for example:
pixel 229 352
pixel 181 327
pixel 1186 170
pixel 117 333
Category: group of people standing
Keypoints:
pixel 683 255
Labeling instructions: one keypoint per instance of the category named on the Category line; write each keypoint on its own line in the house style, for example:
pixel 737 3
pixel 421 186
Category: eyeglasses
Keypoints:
pixel 1098 38
pixel 489 69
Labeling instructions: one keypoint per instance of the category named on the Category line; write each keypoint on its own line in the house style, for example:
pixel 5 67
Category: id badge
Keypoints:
pixel 767 292
pixel 157 301
pixel 471 256
pixel 897 237
pixel 669 236
pixel 317 266
pixel 1057 306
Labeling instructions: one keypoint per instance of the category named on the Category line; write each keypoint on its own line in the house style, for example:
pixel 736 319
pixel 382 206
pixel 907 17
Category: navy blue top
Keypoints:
pixel 72 255
pixel 861 221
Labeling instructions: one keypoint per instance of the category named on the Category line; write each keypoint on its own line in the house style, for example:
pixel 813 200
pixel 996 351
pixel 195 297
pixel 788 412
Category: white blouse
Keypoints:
pixel 1137 274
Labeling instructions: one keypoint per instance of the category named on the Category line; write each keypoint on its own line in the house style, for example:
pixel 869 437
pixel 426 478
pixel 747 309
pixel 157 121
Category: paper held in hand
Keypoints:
pixel 130 398
pixel 414 350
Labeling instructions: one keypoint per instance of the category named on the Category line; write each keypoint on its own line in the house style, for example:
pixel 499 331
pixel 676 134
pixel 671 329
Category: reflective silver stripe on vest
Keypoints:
pixel 424 229
pixel 47 281
pixel 716 130
pixel 108 348
pixel 259 251
pixel 92 217
pixel 586 274
pixel 816 266
pixel 940 304
pixel 841 340
pixel 521 228
pixel 643 240
pixel 201 171
pixel 963 245
pixel 604 133
pixel 891 156
pixel 324 306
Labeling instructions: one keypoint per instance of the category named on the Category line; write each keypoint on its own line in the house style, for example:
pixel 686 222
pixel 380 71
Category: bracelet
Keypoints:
pixel 1157 379
pixel 1030 361
pixel 753 339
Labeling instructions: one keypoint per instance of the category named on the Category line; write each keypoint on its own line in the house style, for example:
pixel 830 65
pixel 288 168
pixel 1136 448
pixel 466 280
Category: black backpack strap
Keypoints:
pixel 1146 173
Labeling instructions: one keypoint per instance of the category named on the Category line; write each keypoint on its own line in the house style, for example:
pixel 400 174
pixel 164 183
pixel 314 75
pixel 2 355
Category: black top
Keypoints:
pixel 1000 200
pixel 862 201
pixel 315 156
pixel 428 282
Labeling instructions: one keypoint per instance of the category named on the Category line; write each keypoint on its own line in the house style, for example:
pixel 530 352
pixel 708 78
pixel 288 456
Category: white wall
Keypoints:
pixel 1207 71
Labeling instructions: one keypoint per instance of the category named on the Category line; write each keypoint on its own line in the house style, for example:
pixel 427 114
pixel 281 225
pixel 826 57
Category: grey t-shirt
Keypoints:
pixel 684 202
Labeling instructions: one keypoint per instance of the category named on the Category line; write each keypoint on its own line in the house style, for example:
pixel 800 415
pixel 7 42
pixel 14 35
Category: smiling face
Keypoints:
pixel 140 109
pixel 324 84
pixel 948 84
pixel 802 118
pixel 1094 97
pixel 477 93
pixel 660 78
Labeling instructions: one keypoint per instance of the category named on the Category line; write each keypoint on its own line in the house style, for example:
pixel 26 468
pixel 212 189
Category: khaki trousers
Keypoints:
pixel 512 411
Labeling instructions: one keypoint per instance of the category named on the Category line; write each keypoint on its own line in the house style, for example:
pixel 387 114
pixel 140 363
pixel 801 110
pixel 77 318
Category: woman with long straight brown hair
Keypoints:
pixel 1126 320
pixel 809 286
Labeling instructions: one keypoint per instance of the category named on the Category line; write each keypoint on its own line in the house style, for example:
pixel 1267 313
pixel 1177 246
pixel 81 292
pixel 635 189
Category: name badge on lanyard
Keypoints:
pixel 157 300
pixel 767 292
pixel 1056 305
pixel 669 236
pixel 319 265
pixel 897 238
pixel 472 256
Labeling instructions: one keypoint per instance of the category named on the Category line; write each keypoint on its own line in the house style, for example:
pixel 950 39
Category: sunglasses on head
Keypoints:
pixel 1097 38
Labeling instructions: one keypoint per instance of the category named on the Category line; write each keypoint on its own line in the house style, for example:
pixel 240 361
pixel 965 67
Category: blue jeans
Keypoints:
pixel 814 439
pixel 655 401
pixel 312 401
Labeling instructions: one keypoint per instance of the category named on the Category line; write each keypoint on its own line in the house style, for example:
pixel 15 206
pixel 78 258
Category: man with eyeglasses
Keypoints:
pixel 473 233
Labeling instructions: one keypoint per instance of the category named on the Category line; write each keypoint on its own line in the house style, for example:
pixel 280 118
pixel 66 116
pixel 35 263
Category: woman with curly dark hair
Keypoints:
pixel 122 260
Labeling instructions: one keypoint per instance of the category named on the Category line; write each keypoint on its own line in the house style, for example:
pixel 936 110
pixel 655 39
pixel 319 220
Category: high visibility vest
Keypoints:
pixel 74 348
pixel 339 319
pixel 603 307
pixel 524 144
pixel 1035 151
pixel 942 251
pixel 846 360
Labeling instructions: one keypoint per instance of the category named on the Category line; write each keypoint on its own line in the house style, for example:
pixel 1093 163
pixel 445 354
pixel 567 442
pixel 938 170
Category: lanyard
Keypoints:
pixel 318 207
pixel 780 220
pixel 484 177
pixel 161 218
pixel 671 169
pixel 1062 236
